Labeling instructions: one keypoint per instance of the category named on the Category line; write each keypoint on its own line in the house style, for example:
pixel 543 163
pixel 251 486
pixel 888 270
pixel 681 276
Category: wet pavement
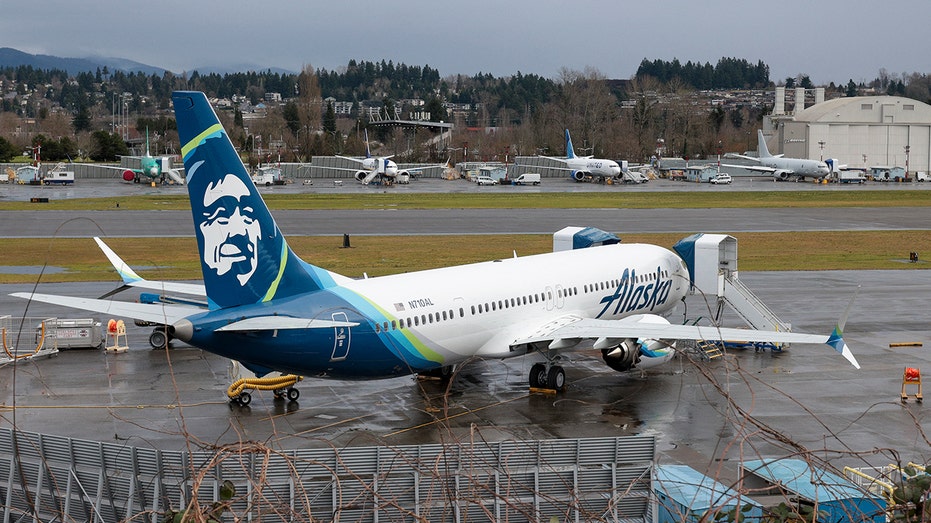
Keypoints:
pixel 704 413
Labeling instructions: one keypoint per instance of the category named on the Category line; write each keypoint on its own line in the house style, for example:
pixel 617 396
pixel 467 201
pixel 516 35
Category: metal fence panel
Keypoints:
pixel 55 478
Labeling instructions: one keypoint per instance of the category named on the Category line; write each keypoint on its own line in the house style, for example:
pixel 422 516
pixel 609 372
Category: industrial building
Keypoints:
pixel 860 132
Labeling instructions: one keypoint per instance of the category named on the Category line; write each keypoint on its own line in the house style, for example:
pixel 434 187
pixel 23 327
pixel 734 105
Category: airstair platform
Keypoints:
pixel 712 263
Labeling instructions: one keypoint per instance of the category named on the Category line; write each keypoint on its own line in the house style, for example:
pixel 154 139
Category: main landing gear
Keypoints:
pixel 547 376
pixel 159 338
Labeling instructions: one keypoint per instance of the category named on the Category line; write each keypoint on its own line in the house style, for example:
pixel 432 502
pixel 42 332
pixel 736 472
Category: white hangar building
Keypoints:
pixel 861 131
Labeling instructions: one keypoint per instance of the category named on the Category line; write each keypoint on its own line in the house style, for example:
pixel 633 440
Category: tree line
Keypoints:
pixel 611 118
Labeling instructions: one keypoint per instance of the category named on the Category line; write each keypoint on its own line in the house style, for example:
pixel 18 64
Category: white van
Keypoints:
pixel 531 178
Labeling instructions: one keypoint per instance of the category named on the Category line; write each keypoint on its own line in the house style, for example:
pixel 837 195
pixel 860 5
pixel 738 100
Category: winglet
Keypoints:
pixel 836 340
pixel 125 271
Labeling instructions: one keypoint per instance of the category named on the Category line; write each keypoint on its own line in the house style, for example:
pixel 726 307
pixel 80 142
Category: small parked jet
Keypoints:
pixel 581 167
pixel 378 167
pixel 151 168
pixel 781 168
pixel 272 311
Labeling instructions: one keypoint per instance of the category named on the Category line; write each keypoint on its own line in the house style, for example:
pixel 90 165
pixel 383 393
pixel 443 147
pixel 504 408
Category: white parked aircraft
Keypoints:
pixel 272 311
pixel 781 168
pixel 581 167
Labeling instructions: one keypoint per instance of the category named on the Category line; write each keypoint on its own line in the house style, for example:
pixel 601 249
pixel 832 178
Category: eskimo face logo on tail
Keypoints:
pixel 629 297
pixel 241 257
pixel 230 230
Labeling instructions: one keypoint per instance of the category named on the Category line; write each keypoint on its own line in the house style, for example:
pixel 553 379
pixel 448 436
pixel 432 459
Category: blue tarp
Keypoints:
pixel 684 494
pixel 590 236
pixel 839 498
pixel 686 250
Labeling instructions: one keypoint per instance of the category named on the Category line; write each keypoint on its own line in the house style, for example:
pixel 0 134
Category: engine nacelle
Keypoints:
pixel 782 175
pixel 580 176
pixel 129 176
pixel 360 175
pixel 623 356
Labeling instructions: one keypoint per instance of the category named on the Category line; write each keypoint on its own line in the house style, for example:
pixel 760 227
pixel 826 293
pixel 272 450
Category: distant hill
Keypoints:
pixel 10 57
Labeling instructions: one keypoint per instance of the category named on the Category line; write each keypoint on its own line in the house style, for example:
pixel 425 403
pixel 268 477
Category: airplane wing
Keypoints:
pixel 121 169
pixel 131 279
pixel 151 312
pixel 576 328
pixel 758 168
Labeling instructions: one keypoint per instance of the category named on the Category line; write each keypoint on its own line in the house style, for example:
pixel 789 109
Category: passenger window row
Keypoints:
pixel 613 284
pixel 491 306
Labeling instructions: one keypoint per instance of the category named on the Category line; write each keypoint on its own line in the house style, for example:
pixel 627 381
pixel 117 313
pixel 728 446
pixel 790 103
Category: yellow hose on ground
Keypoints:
pixel 279 382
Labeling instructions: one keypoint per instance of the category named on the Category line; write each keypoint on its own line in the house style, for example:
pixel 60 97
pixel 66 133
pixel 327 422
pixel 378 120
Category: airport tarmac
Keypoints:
pixel 704 413
pixel 748 404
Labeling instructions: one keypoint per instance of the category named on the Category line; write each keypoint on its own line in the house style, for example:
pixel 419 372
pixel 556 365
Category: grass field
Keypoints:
pixel 177 258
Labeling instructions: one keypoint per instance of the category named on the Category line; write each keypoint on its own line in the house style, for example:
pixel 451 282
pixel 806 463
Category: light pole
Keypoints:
pixel 907 149
pixel 821 144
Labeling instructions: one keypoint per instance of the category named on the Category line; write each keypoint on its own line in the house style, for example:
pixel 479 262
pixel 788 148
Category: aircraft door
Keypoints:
pixel 550 298
pixel 342 336
pixel 560 296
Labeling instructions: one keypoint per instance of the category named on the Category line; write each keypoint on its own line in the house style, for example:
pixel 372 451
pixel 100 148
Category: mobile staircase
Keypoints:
pixel 712 263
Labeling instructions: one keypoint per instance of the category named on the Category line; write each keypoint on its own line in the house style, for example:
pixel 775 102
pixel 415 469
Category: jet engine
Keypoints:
pixel 623 356
pixel 782 175
pixel 129 176
pixel 360 175
pixel 580 176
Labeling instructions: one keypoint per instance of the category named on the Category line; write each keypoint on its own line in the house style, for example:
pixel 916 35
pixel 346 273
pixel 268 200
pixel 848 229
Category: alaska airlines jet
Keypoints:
pixel 272 311
pixel 782 168
pixel 581 167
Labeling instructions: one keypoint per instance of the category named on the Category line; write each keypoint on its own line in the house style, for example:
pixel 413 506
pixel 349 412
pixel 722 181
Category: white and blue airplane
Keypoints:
pixel 781 168
pixel 581 167
pixel 272 311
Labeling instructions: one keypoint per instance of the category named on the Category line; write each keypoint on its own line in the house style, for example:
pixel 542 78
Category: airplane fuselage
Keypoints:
pixel 798 166
pixel 414 322
pixel 594 166
pixel 383 166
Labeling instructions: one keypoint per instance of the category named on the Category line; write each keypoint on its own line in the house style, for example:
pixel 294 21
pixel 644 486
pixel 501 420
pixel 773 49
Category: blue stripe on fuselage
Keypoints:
pixel 309 352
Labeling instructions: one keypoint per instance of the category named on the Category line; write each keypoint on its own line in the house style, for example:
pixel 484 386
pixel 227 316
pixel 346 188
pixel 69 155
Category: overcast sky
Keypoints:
pixel 829 40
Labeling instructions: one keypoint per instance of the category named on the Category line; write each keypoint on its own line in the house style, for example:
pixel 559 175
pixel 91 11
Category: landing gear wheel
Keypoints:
pixel 244 399
pixel 538 375
pixel 293 394
pixel 556 378
pixel 158 339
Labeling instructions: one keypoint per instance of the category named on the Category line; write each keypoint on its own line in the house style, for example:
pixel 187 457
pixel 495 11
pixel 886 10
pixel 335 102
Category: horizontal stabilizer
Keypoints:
pixel 151 312
pixel 266 323
pixel 131 279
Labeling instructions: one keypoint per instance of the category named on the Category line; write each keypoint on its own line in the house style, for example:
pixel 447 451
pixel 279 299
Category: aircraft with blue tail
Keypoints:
pixel 583 167
pixel 271 311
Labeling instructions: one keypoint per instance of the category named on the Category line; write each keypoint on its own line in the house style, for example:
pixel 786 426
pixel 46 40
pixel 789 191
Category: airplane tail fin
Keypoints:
pixel 570 153
pixel 368 153
pixel 244 257
pixel 762 150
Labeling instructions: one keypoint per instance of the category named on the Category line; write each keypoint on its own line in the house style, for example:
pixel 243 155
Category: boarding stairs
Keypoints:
pixel 712 263
pixel 748 306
